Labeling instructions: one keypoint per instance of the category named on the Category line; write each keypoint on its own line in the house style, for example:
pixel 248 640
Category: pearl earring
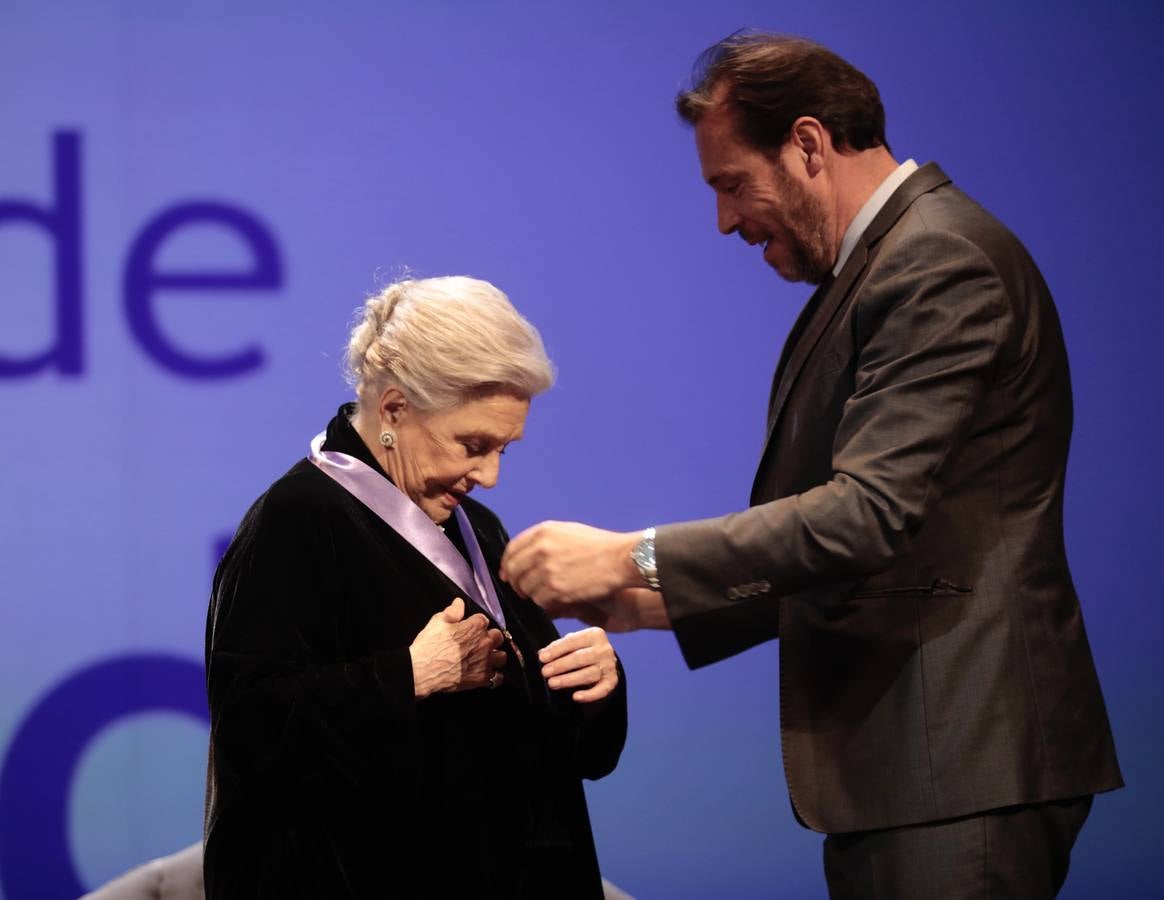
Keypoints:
pixel 388 438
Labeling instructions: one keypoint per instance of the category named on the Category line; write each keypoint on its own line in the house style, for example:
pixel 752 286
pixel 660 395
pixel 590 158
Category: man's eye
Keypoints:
pixel 471 448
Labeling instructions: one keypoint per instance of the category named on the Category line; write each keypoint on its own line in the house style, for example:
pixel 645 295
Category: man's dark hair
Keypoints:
pixel 771 80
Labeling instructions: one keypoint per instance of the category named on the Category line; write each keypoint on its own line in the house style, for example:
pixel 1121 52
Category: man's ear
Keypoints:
pixel 393 405
pixel 811 141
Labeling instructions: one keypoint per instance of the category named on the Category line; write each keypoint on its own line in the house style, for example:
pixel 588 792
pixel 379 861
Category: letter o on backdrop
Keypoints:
pixel 36 862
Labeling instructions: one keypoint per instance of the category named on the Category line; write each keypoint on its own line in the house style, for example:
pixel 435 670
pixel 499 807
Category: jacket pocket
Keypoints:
pixel 939 587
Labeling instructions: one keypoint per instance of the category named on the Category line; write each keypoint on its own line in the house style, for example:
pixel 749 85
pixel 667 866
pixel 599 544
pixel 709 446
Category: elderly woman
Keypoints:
pixel 388 719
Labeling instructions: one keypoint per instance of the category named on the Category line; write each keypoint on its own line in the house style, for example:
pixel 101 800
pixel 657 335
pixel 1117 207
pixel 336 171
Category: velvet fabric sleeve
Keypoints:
pixel 289 712
pixel 601 731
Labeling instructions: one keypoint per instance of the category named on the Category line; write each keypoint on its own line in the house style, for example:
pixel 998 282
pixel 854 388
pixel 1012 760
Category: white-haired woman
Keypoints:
pixel 380 723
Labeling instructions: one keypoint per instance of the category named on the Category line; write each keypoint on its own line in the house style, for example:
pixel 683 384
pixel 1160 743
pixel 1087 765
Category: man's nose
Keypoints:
pixel 727 219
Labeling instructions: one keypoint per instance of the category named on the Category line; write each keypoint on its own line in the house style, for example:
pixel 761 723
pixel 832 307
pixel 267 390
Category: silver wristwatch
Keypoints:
pixel 644 558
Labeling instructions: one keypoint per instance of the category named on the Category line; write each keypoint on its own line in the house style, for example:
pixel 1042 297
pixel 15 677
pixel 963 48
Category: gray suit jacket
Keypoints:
pixel 905 538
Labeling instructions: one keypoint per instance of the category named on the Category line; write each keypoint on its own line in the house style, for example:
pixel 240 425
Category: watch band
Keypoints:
pixel 643 557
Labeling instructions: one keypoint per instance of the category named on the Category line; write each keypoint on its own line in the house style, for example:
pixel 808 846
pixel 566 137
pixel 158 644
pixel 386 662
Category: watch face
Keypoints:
pixel 644 555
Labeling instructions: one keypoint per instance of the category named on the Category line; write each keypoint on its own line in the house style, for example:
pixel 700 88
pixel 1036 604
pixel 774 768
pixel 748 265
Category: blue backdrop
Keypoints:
pixel 195 197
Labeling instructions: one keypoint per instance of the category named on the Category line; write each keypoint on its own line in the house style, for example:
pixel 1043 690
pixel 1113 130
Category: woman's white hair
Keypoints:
pixel 444 341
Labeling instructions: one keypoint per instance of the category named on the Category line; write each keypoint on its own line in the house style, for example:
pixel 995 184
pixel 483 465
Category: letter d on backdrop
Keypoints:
pixel 62 223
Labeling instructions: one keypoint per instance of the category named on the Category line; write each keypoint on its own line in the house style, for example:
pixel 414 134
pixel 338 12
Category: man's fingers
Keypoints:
pixel 527 537
pixel 515 560
pixel 532 563
pixel 507 569
pixel 529 582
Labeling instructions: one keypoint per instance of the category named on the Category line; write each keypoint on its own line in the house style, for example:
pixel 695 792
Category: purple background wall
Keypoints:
pixel 194 200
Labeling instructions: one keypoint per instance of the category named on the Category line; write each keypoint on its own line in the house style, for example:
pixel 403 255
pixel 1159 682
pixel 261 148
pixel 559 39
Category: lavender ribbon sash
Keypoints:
pixel 409 521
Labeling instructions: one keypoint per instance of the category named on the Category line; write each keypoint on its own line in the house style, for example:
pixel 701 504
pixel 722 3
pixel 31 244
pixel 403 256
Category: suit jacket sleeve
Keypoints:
pixel 284 710
pixel 928 324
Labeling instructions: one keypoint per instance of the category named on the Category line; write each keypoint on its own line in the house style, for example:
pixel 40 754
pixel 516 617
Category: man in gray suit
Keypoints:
pixel 941 718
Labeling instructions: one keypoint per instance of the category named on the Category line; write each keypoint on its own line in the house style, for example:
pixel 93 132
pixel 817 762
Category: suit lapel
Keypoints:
pixel 802 320
pixel 820 311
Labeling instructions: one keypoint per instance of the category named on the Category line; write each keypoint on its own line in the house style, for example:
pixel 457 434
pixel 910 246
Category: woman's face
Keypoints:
pixel 441 456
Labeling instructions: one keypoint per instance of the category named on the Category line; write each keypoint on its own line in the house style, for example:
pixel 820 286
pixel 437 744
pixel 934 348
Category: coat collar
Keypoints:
pixel 343 438
pixel 816 318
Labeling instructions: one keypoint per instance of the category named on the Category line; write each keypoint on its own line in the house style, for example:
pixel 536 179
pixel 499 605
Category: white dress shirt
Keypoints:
pixel 869 211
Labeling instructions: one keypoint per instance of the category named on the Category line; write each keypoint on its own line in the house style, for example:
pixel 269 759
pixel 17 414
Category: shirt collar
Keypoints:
pixel 868 212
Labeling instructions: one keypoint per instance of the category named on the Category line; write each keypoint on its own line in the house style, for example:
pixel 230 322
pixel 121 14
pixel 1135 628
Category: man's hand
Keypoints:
pixel 627 610
pixel 557 563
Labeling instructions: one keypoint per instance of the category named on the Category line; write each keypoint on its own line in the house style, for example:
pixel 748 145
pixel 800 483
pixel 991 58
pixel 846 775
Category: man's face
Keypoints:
pixel 759 196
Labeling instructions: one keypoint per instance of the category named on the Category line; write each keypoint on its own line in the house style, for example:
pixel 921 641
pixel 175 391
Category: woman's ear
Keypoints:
pixel 393 405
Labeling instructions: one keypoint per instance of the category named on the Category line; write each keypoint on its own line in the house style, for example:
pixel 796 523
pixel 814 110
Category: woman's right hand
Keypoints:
pixel 453 653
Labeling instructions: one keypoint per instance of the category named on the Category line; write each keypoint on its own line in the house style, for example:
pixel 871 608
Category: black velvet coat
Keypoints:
pixel 327 778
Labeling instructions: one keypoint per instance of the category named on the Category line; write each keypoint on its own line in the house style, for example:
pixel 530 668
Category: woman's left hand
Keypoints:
pixel 582 659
